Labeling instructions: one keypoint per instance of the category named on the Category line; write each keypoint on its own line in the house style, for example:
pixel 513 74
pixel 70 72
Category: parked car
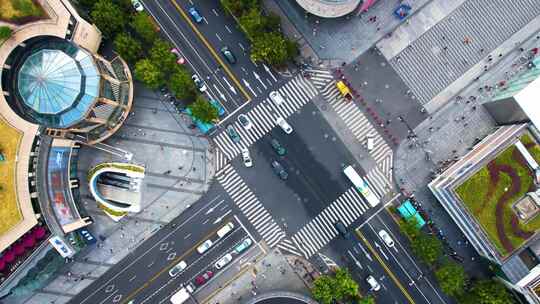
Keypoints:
pixel 342 229
pixel 285 126
pixel 199 83
pixel 223 231
pixel 243 246
pixel 203 278
pixel 375 286
pixel 246 158
pixel 279 170
pixel 137 5
pixel 276 97
pixel 223 261
pixel 204 246
pixel 217 105
pixel 179 58
pixel 233 135
pixel 195 15
pixel 386 238
pixel 280 150
pixel 228 54
pixel 244 120
pixel 177 268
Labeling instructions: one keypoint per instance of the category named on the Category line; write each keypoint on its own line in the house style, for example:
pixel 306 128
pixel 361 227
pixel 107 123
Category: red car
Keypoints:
pixel 200 280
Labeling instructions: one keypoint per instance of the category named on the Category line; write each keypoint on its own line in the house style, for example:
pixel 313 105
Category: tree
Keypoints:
pixel 487 292
pixel 410 227
pixel 240 7
pixel 367 300
pixel 427 247
pixel 270 48
pixel 142 24
pixel 345 286
pixel 253 23
pixel 452 278
pixel 5 32
pixel 161 56
pixel 323 289
pixel 203 110
pixel 108 17
pixel 127 47
pixel 182 86
pixel 149 74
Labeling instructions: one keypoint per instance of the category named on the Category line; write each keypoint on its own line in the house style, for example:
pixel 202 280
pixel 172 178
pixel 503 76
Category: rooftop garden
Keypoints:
pixel 490 193
pixel 20 11
pixel 10 213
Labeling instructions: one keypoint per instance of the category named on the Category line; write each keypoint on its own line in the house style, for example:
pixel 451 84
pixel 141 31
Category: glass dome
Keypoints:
pixel 54 83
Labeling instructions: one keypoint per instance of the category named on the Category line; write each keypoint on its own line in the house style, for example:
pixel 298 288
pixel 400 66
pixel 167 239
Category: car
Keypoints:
pixel 373 283
pixel 285 126
pixel 137 5
pixel 370 142
pixel 279 170
pixel 191 287
pixel 200 280
pixel 199 83
pixel 280 150
pixel 204 246
pixel 245 121
pixel 246 158
pixel 195 15
pixel 228 54
pixel 276 97
pixel 179 58
pixel 223 231
pixel 243 246
pixel 233 135
pixel 217 105
pixel 223 261
pixel 342 229
pixel 177 268
pixel 386 238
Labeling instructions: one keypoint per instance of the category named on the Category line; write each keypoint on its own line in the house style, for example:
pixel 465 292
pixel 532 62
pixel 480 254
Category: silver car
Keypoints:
pixel 204 246
pixel 177 268
pixel 223 261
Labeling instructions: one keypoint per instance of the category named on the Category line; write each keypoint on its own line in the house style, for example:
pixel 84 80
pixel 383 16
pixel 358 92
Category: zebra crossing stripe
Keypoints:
pixel 301 248
pixel 357 202
pixel 322 230
pixel 308 242
pixel 347 208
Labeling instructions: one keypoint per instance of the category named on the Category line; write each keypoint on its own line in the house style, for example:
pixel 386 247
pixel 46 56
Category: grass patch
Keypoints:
pixel 10 213
pixel 14 10
pixel 534 150
pixel 473 193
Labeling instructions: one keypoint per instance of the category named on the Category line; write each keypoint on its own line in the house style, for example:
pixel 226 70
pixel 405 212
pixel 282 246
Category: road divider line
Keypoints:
pixel 212 51
pixel 390 273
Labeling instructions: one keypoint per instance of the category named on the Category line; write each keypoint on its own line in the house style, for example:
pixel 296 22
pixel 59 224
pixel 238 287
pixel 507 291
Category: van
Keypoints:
pixel 223 231
pixel 370 142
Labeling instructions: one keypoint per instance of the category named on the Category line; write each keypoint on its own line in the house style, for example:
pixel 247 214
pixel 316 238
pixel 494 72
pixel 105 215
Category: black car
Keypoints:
pixel 279 170
pixel 342 229
pixel 228 54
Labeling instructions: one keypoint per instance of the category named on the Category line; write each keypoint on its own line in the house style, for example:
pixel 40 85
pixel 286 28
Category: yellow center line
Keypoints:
pixel 166 268
pixel 212 51
pixel 390 273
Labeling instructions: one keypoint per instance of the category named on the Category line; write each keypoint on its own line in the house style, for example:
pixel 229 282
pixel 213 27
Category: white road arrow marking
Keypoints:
pixel 267 69
pixel 380 249
pixel 220 93
pixel 219 219
pixel 259 79
pixel 230 86
pixel 249 87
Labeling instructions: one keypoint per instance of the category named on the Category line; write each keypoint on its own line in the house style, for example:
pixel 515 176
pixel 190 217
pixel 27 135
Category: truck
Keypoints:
pixel 183 294
pixel 344 90
pixel 361 185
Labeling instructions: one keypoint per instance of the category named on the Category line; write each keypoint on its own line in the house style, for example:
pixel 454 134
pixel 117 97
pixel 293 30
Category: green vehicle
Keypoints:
pixel 280 150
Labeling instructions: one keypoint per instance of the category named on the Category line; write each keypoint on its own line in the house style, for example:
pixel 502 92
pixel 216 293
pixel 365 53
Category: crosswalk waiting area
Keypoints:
pixel 250 205
pixel 320 231
pixel 296 92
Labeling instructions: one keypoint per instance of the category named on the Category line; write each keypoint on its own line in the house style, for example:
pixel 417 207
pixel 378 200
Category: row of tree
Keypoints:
pixel 5 32
pixel 450 275
pixel 339 287
pixel 155 66
pixel 268 44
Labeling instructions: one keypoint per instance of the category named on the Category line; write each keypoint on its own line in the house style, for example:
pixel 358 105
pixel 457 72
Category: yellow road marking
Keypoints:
pixel 390 273
pixel 212 51
pixel 166 268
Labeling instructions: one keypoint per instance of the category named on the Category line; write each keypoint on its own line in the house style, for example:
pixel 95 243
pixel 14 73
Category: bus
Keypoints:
pixel 361 186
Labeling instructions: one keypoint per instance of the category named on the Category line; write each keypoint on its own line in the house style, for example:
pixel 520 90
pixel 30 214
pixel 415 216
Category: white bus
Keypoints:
pixel 180 297
pixel 361 186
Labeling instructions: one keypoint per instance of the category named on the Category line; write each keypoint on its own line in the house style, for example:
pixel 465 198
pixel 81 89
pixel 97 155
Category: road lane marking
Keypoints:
pixel 228 29
pixel 218 37
pixel 381 262
pixel 132 278
pixel 211 49
pixel 188 235
pixel 380 210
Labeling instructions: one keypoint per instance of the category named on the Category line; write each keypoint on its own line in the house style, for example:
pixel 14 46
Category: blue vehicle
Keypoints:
pixel 195 15
pixel 402 11
pixel 221 110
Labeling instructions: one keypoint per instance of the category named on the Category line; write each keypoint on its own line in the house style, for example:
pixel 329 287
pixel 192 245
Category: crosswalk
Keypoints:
pixel 297 92
pixel 320 230
pixel 355 120
pixel 251 207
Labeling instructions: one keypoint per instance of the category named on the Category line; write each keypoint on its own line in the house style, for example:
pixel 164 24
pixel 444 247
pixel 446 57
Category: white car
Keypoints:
pixel 223 261
pixel 245 121
pixel 285 126
pixel 247 158
pixel 204 246
pixel 137 5
pixel 199 83
pixel 177 268
pixel 276 97
pixel 386 238
pixel 373 283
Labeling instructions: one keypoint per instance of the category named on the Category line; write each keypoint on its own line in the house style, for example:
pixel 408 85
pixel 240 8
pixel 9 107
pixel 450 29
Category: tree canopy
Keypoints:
pixel 487 292
pixel 341 286
pixel 127 47
pixel 108 17
pixel 203 110
pixel 182 86
pixel 271 48
pixel 452 278
pixel 5 32
pixel 161 56
pixel 143 26
pixel 428 248
pixel 147 72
